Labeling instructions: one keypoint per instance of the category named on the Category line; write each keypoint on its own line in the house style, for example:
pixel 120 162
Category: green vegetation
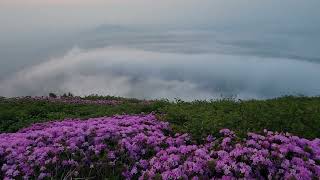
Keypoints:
pixel 297 115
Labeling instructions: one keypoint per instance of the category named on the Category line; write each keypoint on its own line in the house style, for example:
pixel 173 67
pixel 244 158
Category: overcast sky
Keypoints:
pixel 230 43
pixel 71 14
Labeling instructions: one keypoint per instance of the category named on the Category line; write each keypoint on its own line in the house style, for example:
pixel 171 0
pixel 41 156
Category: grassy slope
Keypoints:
pixel 298 115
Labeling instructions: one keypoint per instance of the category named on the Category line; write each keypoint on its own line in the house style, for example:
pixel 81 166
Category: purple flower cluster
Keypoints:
pixel 141 147
pixel 268 156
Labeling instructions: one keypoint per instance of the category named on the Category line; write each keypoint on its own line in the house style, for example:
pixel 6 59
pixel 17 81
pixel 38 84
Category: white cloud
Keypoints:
pixel 144 74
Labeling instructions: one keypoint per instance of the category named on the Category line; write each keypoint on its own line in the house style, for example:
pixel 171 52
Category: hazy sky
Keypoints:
pixel 60 14
pixel 190 48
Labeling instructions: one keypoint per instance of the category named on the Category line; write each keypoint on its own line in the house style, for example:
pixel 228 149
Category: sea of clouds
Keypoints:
pixel 131 72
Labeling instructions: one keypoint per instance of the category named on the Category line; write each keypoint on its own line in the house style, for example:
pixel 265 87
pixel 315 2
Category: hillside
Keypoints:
pixel 99 137
pixel 297 115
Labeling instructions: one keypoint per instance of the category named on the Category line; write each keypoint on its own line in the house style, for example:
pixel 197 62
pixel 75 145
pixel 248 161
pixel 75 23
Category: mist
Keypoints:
pixel 145 74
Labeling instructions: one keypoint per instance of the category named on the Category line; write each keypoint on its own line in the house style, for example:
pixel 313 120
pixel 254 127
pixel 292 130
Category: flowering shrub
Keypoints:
pixel 73 100
pixel 272 156
pixel 141 147
pixel 79 100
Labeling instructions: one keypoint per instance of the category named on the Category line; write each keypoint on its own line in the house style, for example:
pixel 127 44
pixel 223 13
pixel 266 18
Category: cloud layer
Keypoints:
pixel 145 74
